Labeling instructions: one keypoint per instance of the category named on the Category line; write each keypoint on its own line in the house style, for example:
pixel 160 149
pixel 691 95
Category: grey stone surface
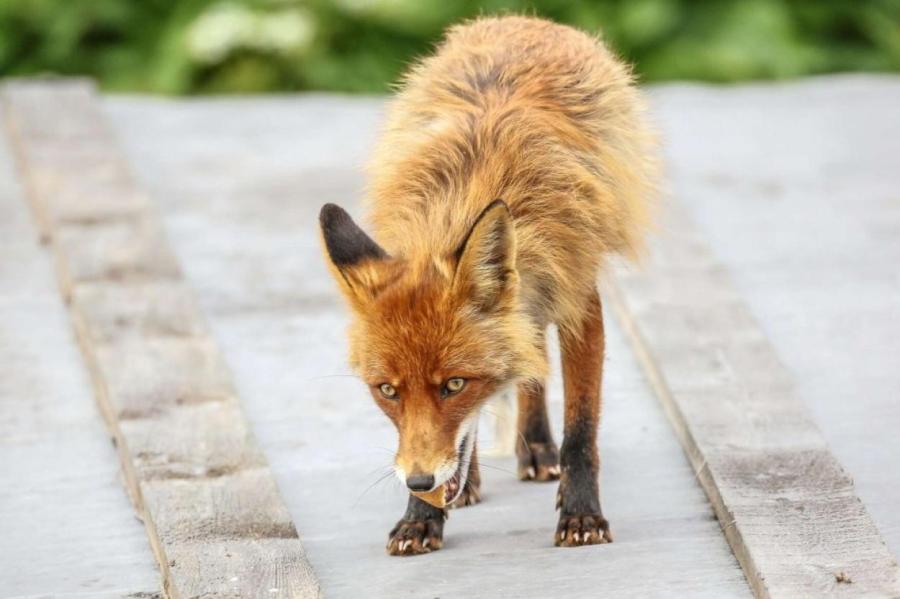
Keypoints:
pixel 67 527
pixel 240 183
pixel 797 190
pixel 211 507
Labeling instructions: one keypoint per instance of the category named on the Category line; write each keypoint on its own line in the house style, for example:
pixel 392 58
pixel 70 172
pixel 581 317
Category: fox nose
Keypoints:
pixel 420 482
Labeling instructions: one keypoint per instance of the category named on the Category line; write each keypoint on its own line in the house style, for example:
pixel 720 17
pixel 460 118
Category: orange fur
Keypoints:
pixel 538 114
pixel 541 116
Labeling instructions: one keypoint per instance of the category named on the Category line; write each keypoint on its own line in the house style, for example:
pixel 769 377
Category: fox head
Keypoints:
pixel 434 336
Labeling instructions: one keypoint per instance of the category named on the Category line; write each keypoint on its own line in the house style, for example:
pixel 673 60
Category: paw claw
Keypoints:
pixel 538 461
pixel 415 537
pixel 582 529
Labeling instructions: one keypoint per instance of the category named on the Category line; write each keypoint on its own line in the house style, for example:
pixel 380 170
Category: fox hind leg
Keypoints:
pixel 537 453
pixel 538 456
pixel 581 521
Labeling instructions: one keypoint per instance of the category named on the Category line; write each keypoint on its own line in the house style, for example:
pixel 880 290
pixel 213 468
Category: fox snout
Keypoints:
pixel 434 466
pixel 421 467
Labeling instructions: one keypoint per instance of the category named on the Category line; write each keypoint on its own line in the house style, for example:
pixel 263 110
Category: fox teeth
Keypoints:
pixel 452 487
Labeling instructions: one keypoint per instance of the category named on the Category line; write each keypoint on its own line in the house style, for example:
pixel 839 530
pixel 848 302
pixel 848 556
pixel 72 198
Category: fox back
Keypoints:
pixel 539 115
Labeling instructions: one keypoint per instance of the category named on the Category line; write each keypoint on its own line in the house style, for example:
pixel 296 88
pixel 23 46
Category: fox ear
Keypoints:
pixel 486 259
pixel 357 261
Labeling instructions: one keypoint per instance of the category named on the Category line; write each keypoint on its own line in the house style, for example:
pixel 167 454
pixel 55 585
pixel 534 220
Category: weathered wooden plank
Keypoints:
pixel 144 378
pixel 787 507
pixel 241 238
pixel 111 311
pixel 122 249
pixel 809 229
pixel 65 185
pixel 211 507
pixel 75 186
pixel 240 203
pixel 206 440
pixel 66 525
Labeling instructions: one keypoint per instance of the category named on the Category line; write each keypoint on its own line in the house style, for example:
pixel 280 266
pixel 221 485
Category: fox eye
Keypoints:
pixel 388 390
pixel 454 385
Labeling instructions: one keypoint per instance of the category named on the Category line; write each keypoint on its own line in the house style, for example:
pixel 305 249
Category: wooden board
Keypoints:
pixel 248 243
pixel 212 510
pixel 809 230
pixel 240 203
pixel 68 528
pixel 787 507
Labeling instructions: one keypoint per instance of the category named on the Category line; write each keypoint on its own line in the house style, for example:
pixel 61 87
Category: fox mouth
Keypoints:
pixel 456 483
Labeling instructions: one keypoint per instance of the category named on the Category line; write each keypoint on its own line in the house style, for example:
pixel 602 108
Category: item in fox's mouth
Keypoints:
pixel 443 494
pixel 436 497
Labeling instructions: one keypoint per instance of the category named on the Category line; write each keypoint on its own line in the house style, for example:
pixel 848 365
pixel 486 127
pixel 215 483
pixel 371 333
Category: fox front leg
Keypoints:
pixel 581 520
pixel 421 530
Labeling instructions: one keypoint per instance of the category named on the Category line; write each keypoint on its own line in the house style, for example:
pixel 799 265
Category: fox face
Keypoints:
pixel 434 337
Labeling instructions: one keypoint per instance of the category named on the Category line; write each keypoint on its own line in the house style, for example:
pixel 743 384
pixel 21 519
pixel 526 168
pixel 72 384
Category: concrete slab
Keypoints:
pixel 240 183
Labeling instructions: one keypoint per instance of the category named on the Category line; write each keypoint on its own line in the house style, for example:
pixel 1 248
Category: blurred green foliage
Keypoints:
pixel 217 46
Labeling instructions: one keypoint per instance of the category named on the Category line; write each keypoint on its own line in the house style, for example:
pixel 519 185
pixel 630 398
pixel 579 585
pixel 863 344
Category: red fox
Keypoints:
pixel 513 161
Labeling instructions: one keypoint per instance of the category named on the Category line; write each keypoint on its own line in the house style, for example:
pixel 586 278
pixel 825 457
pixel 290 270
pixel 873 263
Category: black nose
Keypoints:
pixel 420 482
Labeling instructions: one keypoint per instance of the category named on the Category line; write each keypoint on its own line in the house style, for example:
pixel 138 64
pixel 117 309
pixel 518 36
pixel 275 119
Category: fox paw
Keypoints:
pixel 582 529
pixel 469 496
pixel 538 461
pixel 414 537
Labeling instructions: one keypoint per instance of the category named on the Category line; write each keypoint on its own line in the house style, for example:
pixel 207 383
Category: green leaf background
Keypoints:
pixel 246 46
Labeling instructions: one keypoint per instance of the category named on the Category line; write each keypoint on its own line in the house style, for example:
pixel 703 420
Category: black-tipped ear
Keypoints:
pixel 486 259
pixel 346 243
